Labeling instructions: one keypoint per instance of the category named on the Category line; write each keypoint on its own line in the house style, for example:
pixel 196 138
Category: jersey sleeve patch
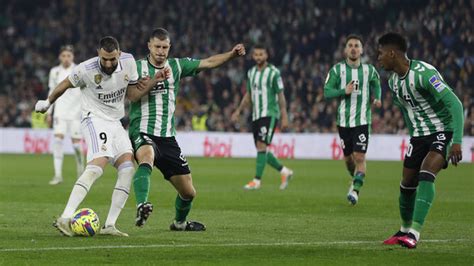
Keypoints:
pixel 437 83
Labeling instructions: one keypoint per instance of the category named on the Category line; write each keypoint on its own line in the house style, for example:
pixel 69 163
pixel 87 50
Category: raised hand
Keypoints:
pixel 349 87
pixel 163 74
pixel 239 50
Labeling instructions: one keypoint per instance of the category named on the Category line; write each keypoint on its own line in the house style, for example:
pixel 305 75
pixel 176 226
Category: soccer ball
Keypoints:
pixel 85 222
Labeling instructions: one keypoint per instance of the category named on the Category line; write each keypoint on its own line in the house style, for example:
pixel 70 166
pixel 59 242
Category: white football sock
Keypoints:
pixel 121 191
pixel 58 156
pixel 285 171
pixel 415 233
pixel 404 229
pixel 80 189
pixel 79 158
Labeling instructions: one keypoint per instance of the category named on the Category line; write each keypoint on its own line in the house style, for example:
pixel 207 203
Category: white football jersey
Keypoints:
pixel 103 95
pixel 66 106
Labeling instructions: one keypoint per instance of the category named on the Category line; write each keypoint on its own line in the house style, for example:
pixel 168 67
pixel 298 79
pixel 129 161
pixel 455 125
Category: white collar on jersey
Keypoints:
pixel 117 69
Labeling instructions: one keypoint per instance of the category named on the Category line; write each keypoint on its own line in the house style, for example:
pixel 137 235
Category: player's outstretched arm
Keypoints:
pixel 243 103
pixel 219 59
pixel 284 113
pixel 136 91
pixel 43 105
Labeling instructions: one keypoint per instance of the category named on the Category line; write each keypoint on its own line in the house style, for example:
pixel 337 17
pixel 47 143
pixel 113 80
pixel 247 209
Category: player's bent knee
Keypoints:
pixel 89 176
pixel 126 157
pixel 426 176
pixel 188 194
pixel 145 154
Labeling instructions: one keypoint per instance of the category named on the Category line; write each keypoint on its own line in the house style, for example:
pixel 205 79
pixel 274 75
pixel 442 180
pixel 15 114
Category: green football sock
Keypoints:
pixel 274 162
pixel 141 182
pixel 183 206
pixel 407 204
pixel 261 161
pixel 424 198
pixel 358 181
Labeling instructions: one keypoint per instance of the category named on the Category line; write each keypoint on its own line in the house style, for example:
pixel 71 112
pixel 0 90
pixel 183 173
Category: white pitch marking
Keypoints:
pixel 220 245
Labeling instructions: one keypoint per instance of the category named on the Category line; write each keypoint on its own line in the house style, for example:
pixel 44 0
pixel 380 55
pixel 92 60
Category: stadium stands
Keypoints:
pixel 305 37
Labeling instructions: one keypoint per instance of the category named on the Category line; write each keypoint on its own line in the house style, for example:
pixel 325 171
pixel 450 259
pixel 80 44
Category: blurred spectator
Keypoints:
pixel 305 37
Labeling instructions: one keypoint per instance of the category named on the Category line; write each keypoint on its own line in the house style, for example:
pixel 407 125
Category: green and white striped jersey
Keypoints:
pixel 154 113
pixel 418 95
pixel 263 87
pixel 354 109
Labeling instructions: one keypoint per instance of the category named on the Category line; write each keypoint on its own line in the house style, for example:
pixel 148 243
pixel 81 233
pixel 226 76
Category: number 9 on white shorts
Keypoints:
pixel 105 139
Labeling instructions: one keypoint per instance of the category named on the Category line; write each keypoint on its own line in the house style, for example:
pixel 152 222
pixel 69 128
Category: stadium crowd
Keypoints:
pixel 305 38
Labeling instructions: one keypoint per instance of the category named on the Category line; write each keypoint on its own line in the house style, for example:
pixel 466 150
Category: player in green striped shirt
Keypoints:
pixel 265 92
pixel 434 117
pixel 353 84
pixel 152 128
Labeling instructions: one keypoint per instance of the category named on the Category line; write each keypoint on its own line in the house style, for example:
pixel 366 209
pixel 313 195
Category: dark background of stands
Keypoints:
pixel 305 39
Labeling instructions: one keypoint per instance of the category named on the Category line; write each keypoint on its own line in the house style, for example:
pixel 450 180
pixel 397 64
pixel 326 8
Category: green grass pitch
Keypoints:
pixel 310 223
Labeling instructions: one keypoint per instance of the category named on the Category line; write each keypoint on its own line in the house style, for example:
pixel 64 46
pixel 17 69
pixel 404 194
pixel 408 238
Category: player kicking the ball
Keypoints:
pixel 104 81
pixel 434 117
pixel 152 128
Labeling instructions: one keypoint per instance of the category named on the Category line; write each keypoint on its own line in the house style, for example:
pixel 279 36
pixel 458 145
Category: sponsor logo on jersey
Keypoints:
pixel 113 97
pixel 159 89
pixel 97 78
pixel 436 83
pixel 126 79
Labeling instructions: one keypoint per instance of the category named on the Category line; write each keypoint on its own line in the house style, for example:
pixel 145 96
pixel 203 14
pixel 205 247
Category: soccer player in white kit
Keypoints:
pixel 66 116
pixel 104 81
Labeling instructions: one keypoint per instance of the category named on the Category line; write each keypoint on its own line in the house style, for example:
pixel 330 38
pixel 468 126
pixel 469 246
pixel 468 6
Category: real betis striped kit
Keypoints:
pixel 152 118
pixel 353 113
pixel 419 95
pixel 264 86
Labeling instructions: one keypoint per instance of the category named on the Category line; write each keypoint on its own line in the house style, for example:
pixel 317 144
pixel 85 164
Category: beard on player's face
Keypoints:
pixel 109 70
pixel 109 60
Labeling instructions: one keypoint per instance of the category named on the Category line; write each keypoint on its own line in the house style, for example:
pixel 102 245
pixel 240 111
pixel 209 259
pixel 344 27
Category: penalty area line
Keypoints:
pixel 321 243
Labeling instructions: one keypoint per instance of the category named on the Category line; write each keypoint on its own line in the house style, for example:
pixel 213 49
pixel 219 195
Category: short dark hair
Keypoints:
pixel 395 39
pixel 160 34
pixel 354 37
pixel 66 47
pixel 260 46
pixel 109 44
